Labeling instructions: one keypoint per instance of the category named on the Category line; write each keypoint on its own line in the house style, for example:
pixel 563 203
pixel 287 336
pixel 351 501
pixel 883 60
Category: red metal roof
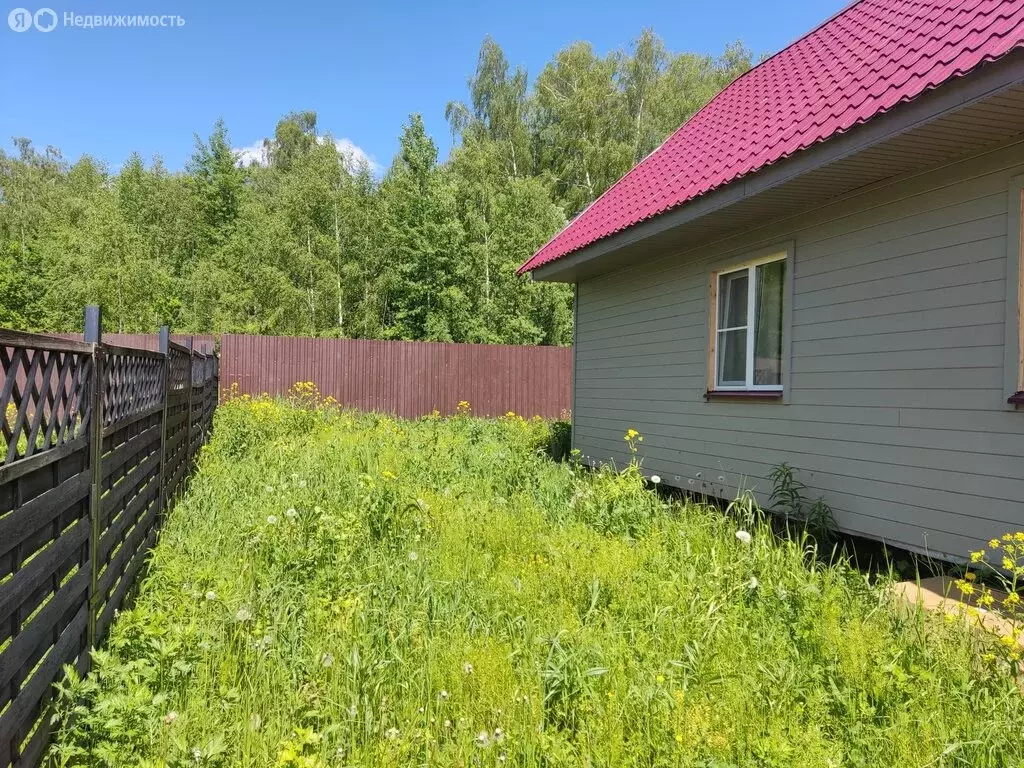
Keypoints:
pixel 860 63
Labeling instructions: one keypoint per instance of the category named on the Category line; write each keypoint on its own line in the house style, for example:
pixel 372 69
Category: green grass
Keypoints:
pixel 352 590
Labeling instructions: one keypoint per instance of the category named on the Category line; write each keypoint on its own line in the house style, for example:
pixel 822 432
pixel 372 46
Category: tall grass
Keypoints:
pixel 354 590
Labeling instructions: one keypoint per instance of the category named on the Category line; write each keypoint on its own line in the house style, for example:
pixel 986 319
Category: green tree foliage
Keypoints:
pixel 312 242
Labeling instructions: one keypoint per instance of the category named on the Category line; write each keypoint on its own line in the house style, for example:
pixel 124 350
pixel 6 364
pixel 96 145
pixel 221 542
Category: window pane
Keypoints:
pixel 732 299
pixel 732 358
pixel 768 323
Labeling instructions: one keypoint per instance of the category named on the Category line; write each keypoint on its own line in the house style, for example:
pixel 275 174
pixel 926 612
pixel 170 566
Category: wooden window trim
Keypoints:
pixel 1015 296
pixel 1018 398
pixel 753 395
pixel 763 392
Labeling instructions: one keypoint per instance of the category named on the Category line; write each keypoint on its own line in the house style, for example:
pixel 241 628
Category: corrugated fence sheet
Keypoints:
pixel 407 378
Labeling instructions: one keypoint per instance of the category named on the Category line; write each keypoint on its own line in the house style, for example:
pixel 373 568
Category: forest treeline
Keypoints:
pixel 311 242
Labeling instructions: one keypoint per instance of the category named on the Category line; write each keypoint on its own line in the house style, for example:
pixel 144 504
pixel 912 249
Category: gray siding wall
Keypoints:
pixel 896 408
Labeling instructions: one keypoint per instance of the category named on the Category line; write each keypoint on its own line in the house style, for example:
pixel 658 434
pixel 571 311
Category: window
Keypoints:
pixel 747 327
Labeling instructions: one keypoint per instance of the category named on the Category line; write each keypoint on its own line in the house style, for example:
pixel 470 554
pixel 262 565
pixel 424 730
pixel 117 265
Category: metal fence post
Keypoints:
pixel 165 350
pixel 188 424
pixel 94 336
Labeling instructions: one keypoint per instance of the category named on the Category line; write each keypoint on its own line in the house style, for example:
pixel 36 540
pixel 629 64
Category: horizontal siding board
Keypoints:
pixel 986 335
pixel 896 408
pixel 883 305
pixel 924 319
pixel 956 513
pixel 960 221
pixel 983 475
pixel 931 399
pixel 922 250
pixel 944 358
pixel 978 448
pixel 987 264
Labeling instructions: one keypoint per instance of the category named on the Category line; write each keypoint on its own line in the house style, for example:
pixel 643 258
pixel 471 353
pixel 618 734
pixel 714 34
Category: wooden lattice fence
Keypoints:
pixel 97 441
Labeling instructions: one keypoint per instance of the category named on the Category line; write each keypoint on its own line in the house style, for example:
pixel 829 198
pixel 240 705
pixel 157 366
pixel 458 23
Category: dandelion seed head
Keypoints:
pixel 272 519
pixel 413 556
pixel 743 537
pixel 655 479
pixel 291 514
pixel 327 660
pixel 211 595
pixel 170 717
pixel 244 614
pixel 467 668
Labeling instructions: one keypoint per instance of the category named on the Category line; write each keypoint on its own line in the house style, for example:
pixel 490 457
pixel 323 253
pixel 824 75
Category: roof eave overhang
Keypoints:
pixel 950 98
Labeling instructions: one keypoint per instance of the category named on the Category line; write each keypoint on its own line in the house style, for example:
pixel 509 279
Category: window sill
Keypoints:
pixel 743 394
pixel 1016 399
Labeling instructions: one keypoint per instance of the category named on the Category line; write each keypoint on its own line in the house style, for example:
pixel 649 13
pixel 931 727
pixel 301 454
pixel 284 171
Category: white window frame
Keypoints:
pixel 750 267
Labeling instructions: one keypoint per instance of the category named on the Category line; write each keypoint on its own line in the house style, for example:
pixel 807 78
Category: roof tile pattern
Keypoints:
pixel 860 63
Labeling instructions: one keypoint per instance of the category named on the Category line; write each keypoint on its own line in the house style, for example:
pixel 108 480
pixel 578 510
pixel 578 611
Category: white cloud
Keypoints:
pixel 254 153
pixel 353 155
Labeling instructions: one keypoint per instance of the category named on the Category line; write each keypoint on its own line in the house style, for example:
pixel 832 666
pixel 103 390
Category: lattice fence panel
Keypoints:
pixel 176 450
pixel 197 429
pixel 44 532
pixel 130 475
pixel 42 403
pixel 133 383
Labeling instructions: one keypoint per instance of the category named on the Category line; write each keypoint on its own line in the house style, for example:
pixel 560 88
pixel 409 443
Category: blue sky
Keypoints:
pixel 362 66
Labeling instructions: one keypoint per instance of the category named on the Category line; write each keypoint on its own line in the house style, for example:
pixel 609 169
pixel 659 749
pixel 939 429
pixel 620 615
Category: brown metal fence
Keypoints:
pixel 407 378
pixel 98 438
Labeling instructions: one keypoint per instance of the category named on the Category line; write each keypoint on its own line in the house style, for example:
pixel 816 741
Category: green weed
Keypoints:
pixel 340 589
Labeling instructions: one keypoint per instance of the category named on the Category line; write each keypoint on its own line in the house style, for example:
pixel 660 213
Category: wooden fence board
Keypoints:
pixel 85 476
